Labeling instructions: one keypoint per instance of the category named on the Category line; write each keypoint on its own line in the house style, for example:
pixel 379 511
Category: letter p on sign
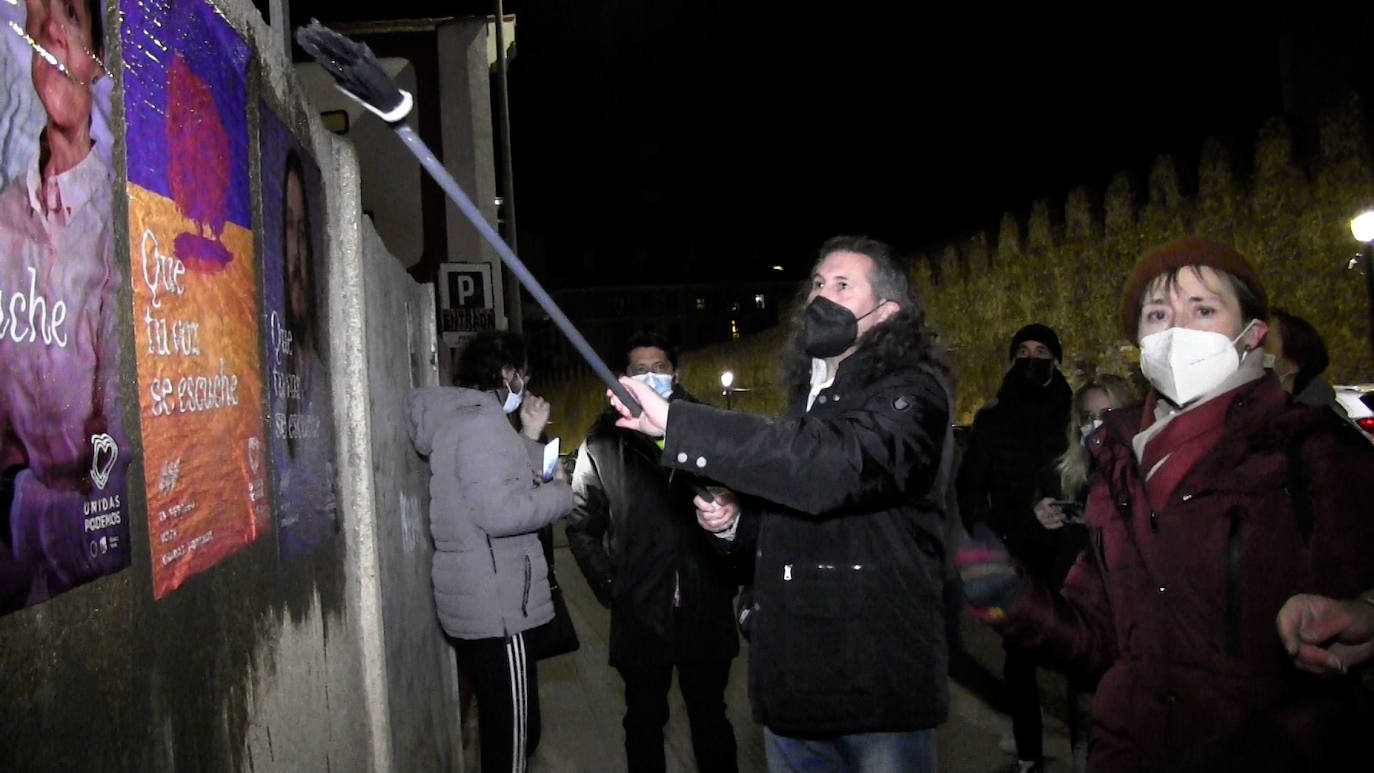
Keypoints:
pixel 466 289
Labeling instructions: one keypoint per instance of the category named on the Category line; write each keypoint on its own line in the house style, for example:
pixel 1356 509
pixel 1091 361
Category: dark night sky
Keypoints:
pixel 664 140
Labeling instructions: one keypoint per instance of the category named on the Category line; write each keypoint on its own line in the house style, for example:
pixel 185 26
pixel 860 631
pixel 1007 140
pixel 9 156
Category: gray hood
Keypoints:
pixel 431 408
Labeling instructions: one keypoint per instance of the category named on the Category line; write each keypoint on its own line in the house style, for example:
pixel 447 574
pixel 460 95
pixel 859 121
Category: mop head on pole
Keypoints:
pixel 356 71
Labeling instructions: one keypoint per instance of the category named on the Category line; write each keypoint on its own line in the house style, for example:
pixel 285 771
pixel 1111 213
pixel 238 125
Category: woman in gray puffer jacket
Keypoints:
pixel 488 501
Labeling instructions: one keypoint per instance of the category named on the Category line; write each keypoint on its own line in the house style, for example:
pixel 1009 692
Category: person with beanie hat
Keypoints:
pixel 1036 333
pixel 1215 502
pixel 1009 442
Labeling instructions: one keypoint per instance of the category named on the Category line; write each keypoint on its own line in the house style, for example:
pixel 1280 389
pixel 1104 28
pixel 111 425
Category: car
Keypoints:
pixel 1358 402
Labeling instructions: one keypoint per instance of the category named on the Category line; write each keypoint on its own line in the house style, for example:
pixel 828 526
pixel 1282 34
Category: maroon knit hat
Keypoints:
pixel 1188 251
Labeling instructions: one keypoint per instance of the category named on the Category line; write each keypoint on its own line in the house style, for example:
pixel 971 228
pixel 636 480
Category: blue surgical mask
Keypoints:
pixel 659 382
pixel 1087 429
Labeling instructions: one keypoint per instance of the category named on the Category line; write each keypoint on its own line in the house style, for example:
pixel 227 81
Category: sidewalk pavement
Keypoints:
pixel 581 701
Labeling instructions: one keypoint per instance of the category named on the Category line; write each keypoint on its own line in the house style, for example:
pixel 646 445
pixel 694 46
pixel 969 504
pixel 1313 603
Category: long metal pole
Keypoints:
pixel 517 266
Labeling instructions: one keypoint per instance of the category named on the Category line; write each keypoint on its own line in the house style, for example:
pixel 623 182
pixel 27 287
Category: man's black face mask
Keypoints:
pixel 1032 371
pixel 828 328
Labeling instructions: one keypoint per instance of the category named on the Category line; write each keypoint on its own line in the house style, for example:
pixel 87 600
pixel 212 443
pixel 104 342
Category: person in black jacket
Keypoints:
pixel 1010 441
pixel 633 532
pixel 842 508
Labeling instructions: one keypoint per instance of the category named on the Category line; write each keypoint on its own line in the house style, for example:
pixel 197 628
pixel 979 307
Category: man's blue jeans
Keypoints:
pixel 912 751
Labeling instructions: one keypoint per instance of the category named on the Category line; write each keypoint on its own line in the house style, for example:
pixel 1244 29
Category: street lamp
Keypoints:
pixel 1362 228
pixel 728 388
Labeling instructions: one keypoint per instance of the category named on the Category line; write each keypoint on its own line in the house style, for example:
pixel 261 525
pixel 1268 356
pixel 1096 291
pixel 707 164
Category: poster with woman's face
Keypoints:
pixel 294 276
pixel 63 450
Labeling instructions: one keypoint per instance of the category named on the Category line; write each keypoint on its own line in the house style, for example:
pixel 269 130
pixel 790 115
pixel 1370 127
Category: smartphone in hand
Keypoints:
pixel 1073 511
pixel 550 459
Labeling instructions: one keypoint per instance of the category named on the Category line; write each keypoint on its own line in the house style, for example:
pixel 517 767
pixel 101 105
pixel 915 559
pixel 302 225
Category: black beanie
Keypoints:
pixel 1037 332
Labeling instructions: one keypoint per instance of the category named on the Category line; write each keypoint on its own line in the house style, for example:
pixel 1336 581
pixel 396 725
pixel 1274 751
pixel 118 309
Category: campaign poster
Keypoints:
pixel 295 272
pixel 64 453
pixel 195 309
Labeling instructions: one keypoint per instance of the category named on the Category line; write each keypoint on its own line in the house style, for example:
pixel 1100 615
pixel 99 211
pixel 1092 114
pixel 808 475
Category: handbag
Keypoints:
pixel 558 636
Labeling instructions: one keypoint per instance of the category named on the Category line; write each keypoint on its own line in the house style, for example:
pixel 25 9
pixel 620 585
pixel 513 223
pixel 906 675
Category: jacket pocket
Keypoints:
pixel 828 645
pixel 525 595
pixel 1233 597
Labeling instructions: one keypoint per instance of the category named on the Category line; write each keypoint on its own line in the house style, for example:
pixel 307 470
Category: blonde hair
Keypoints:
pixel 1073 464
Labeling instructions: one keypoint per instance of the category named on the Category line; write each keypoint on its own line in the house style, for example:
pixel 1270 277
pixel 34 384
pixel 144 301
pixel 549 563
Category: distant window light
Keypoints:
pixel 759 301
pixel 335 121
pixel 734 330
pixel 701 304
pixel 777 268
pixel 734 307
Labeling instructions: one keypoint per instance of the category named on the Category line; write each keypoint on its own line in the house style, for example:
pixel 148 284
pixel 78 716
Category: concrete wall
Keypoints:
pixel 331 661
pixel 421 675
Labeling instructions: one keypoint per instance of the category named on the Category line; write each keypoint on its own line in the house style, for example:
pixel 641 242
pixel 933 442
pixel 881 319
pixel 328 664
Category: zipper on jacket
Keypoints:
pixel 525 598
pixel 1233 643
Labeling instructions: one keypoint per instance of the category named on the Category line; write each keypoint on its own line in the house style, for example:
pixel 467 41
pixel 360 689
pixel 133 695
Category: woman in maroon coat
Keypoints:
pixel 1212 504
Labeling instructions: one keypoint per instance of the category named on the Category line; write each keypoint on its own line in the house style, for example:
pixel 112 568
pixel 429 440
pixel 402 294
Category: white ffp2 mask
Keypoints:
pixel 1185 364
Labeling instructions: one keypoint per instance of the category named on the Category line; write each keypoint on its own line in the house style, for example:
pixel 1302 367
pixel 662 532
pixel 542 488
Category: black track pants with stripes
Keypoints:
pixel 505 680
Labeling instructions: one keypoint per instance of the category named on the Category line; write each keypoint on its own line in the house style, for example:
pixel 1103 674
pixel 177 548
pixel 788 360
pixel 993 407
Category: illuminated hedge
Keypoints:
pixel 1289 216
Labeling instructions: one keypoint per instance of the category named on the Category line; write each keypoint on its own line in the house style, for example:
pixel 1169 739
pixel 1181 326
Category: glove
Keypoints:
pixel 991 583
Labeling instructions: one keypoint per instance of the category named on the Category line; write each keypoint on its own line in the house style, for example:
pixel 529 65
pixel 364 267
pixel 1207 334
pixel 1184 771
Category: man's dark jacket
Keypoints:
pixel 634 533
pixel 848 632
pixel 1008 445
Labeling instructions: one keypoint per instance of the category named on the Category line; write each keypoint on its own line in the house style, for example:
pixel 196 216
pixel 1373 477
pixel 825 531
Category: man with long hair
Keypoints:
pixel 842 504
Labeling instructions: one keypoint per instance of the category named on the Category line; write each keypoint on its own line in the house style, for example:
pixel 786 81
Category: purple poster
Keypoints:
pixel 195 286
pixel 294 272
pixel 187 124
pixel 63 449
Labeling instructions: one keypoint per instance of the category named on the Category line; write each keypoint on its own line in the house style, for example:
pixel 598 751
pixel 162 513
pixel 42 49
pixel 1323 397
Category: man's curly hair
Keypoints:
pixel 903 340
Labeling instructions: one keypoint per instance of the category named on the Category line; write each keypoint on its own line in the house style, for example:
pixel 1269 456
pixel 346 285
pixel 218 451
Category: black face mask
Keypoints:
pixel 829 328
pixel 1032 371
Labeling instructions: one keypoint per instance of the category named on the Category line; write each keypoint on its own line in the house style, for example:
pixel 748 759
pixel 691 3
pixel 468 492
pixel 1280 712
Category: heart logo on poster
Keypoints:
pixel 254 454
pixel 104 452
